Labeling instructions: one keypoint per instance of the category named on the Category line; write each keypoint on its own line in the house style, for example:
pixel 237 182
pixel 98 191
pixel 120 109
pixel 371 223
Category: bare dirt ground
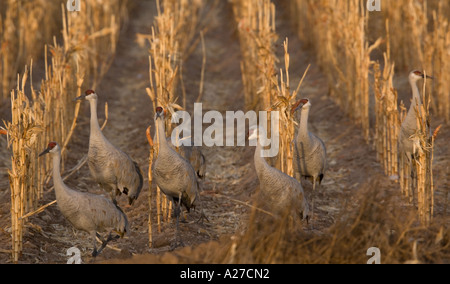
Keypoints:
pixel 231 181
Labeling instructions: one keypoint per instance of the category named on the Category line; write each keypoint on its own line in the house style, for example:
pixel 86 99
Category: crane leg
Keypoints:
pixel 177 211
pixel 312 203
pixel 202 217
pixel 104 243
pixel 95 252
pixel 202 213
pixel 413 186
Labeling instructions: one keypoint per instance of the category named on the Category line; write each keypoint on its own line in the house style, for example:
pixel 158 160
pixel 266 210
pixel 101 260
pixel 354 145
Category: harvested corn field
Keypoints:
pixel 193 70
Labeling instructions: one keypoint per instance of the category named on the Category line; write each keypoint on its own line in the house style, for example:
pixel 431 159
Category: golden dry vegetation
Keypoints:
pixel 243 54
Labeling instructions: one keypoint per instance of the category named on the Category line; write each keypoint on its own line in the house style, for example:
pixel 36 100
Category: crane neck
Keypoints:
pixel 260 162
pixel 303 126
pixel 60 187
pixel 161 132
pixel 95 126
pixel 415 95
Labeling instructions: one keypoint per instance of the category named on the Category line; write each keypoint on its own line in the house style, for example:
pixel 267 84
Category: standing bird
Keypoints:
pixel 173 174
pixel 279 191
pixel 113 169
pixel 310 156
pixel 407 145
pixel 86 211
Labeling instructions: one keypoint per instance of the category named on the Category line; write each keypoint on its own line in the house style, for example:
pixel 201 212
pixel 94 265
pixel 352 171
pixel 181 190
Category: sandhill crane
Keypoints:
pixel 408 143
pixel 113 169
pixel 279 191
pixel 173 174
pixel 86 211
pixel 310 155
pixel 408 146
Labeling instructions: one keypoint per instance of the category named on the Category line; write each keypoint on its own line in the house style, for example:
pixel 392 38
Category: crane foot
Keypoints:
pixel 202 217
pixel 96 252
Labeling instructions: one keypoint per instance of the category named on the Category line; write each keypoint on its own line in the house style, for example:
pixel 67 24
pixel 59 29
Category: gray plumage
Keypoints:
pixel 173 174
pixel 193 155
pixel 279 191
pixel 310 157
pixel 113 169
pixel 408 145
pixel 85 211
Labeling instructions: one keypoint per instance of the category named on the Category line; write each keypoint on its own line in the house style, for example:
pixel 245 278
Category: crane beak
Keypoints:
pixel 426 76
pixel 296 106
pixel 80 98
pixel 46 151
pixel 131 200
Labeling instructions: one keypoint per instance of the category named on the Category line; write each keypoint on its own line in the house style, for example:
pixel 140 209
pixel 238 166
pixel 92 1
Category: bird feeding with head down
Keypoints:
pixel 109 166
pixel 86 211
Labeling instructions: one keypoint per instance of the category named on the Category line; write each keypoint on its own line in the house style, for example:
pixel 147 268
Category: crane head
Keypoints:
pixel 52 146
pixel 89 94
pixel 160 113
pixel 417 75
pixel 255 131
pixel 300 104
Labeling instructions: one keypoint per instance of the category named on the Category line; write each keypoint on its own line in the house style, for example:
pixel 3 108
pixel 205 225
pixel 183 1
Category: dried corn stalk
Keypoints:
pixel 26 27
pixel 22 139
pixel 437 55
pixel 387 122
pixel 50 115
pixel 423 162
pixel 337 31
pixel 422 40
pixel 283 104
pixel 257 36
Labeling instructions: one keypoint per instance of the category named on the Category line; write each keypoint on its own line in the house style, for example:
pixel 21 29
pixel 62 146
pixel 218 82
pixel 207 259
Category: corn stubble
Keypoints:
pixel 420 39
pixel 25 26
pixel 49 114
pixel 387 115
pixel 256 28
pixel 377 217
pixel 371 219
pixel 265 87
pixel 337 30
